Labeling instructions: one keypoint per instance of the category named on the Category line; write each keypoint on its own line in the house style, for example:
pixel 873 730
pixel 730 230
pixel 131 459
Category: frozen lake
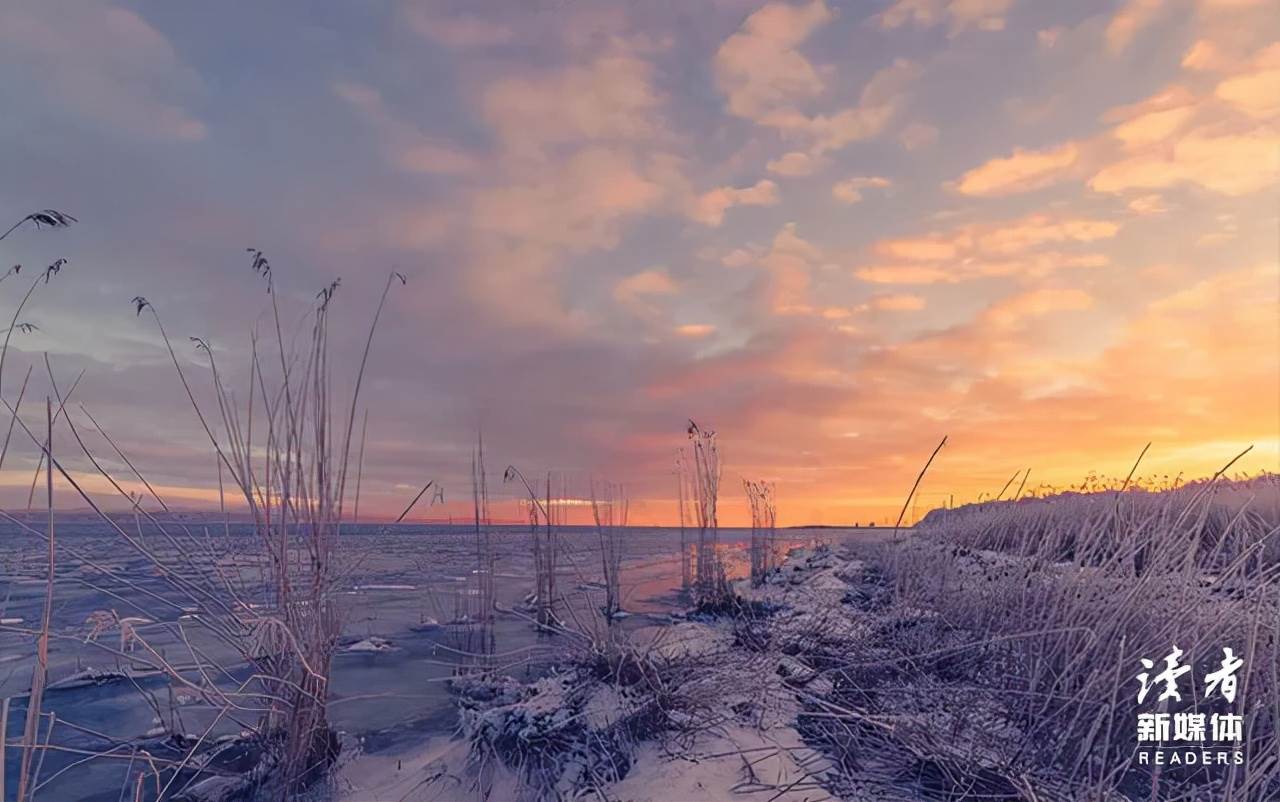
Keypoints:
pixel 395 580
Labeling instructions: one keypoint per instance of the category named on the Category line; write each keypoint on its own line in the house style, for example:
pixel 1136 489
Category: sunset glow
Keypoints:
pixel 833 232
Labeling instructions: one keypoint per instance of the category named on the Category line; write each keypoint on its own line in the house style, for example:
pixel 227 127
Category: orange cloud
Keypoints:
pixel 1132 17
pixel 928 250
pixel 794 163
pixel 766 79
pixel 1204 55
pixel 899 303
pixel 1224 142
pixel 1255 93
pixel 1039 229
pixel 759 68
pixel 850 190
pixel 1154 126
pixel 790 263
pixel 696 331
pixel 1022 171
pixel 1006 248
pixel 907 274
pixel 710 207
pixel 826 132
pixel 1148 204
pixel 1230 164
pixel 639 292
pixel 1035 303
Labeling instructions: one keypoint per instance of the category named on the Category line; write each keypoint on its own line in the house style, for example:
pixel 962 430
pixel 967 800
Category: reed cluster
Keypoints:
pixel 1062 597
pixel 284 446
pixel 764 520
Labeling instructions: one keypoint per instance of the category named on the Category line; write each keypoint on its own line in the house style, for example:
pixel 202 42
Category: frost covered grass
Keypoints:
pixel 283 447
pixel 1049 604
pixel 617 709
pixel 1207 525
pixel 936 667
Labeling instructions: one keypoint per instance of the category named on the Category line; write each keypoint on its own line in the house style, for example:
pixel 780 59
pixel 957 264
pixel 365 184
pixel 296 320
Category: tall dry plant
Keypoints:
pixel 712 584
pixel 764 519
pixel 481 618
pixel 609 510
pixel 545 516
pixel 686 547
pixel 293 479
pixel 286 453
pixel 28 766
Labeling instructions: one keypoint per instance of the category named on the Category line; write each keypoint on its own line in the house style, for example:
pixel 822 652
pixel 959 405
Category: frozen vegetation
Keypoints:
pixel 992 652
pixel 989 654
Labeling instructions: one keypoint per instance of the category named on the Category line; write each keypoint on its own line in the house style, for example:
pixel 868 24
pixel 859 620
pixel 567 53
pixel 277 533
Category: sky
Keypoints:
pixel 832 232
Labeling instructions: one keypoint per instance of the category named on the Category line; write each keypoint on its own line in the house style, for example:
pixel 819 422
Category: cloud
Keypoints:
pixel 456 30
pixel 1224 142
pixel 908 274
pixel 1229 164
pixel 577 152
pixel 1036 303
pixel 738 257
pixel 1148 204
pixel 648 282
pixel 1152 127
pixel 1038 229
pixel 640 292
pixel 610 98
pixel 1132 17
pixel 577 206
pixel 1205 56
pixel 793 163
pixel 960 15
pixel 710 207
pixel 850 190
pixel 696 331
pixel 104 63
pixel 899 303
pixel 1048 37
pixel 407 147
pixel 879 101
pixel 534 261
pixel 985 250
pixel 766 79
pixel 1255 93
pixel 1023 171
pixel 933 249
pixel 825 132
pixel 789 265
pixel 918 135
pixel 759 68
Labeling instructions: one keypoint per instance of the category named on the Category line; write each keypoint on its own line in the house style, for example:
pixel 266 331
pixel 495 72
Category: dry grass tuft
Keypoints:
pixel 1048 604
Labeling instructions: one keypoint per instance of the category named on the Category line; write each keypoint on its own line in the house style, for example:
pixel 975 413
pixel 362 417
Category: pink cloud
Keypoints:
pixel 407 147
pixel 961 15
pixel 105 63
pixel 709 208
pixel 1022 171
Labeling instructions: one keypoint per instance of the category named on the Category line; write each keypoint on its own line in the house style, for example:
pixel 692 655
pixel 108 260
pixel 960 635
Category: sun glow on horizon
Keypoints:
pixel 830 232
